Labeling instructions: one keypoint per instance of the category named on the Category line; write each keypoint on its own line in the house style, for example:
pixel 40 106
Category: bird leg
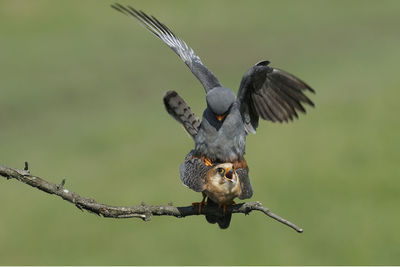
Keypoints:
pixel 201 204
pixel 206 160
pixel 224 206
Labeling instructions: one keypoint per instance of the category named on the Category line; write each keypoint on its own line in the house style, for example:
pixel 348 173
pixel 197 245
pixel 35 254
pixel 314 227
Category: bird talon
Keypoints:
pixel 208 162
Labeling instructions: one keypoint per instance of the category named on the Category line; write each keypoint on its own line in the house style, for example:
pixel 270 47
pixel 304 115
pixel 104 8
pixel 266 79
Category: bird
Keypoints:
pixel 199 176
pixel 221 184
pixel 219 137
pixel 264 92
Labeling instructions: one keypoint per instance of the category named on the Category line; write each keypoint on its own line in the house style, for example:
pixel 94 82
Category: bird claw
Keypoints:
pixel 208 162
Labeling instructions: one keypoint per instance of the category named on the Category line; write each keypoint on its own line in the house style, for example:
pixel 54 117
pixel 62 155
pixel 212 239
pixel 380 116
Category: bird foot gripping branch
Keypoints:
pixel 201 204
pixel 143 211
pixel 265 92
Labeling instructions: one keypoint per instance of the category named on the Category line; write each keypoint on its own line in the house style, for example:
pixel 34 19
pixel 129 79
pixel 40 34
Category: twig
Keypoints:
pixel 144 212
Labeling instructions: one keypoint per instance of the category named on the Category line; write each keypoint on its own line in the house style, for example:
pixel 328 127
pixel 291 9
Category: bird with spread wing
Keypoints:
pixel 220 137
pixel 221 183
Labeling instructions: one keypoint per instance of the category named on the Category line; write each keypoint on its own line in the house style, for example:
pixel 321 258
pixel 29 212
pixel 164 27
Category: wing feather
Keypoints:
pixel 285 107
pixel 262 109
pixel 247 189
pixel 193 172
pixel 271 94
pixel 161 31
pixel 287 102
pixel 280 114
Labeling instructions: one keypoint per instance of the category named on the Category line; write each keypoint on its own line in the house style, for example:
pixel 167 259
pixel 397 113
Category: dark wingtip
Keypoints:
pixel 134 10
pixel 307 87
pixel 121 9
pixel 117 7
pixel 263 63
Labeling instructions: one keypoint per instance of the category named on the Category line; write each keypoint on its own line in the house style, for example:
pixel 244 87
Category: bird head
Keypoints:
pixel 225 174
pixel 219 101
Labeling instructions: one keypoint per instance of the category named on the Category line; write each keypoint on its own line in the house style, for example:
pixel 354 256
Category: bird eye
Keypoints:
pixel 221 171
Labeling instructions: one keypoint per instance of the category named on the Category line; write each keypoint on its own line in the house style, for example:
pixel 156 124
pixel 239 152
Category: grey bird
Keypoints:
pixel 220 136
pixel 264 91
pixel 221 183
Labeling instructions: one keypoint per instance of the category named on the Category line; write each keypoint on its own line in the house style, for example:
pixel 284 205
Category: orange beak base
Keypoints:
pixel 220 117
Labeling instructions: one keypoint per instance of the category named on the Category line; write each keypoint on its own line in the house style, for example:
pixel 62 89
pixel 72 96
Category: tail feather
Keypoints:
pixel 223 220
pixel 181 112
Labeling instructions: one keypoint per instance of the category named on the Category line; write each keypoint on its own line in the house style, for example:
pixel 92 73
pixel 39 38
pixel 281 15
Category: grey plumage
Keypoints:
pixel 221 141
pixel 271 94
pixel 247 189
pixel 220 99
pixel 264 91
pixel 180 111
pixel 193 172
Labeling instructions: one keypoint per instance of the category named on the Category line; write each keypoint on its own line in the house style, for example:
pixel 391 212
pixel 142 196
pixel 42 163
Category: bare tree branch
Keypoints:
pixel 143 211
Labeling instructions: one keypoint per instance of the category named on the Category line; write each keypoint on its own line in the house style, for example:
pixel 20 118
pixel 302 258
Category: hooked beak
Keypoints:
pixel 220 117
pixel 229 174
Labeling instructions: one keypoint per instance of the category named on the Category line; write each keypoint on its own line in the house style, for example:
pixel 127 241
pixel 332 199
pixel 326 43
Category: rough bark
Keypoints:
pixel 143 211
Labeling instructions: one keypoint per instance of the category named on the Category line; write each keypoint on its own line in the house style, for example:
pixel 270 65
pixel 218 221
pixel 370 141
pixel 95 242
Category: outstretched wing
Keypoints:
pixel 180 111
pixel 271 94
pixel 206 77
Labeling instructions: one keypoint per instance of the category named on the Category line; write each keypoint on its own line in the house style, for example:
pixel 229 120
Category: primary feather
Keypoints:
pixel 186 53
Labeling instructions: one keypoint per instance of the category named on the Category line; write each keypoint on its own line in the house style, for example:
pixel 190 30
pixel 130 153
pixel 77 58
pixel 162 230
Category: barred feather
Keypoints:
pixel 181 112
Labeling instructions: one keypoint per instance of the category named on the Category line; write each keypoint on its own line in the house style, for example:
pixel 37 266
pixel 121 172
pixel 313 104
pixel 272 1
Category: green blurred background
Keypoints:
pixel 81 98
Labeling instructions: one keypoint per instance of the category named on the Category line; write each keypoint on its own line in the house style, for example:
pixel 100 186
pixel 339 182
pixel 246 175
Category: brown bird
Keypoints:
pixel 221 183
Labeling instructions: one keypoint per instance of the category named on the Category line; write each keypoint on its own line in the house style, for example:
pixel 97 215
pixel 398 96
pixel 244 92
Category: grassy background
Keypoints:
pixel 81 98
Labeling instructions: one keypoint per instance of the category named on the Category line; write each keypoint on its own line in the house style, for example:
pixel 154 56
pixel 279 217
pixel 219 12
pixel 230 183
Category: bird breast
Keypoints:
pixel 221 141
